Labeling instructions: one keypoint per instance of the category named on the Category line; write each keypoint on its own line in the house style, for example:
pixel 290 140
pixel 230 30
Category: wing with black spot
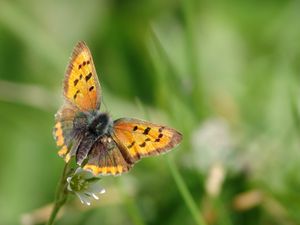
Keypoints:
pixel 81 85
pixel 106 158
pixel 142 138
pixel 65 132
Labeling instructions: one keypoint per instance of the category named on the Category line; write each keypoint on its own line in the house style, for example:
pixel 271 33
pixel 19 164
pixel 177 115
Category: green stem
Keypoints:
pixel 61 194
pixel 186 195
pixel 133 211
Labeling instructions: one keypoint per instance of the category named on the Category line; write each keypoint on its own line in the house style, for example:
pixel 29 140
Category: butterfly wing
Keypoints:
pixel 131 140
pixel 106 158
pixel 82 92
pixel 64 130
pixel 81 85
pixel 143 139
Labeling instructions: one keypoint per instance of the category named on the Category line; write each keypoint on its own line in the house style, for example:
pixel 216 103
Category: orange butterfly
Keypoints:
pixel 99 144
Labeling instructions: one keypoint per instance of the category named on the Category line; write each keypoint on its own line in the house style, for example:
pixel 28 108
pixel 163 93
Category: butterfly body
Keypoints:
pixel 100 123
pixel 90 127
pixel 98 143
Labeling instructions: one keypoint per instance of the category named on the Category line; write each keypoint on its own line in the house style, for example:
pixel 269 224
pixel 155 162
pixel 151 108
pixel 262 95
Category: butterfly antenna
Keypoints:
pixel 105 107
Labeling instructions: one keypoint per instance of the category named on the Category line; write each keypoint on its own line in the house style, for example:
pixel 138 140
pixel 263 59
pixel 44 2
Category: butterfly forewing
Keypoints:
pixel 81 85
pixel 142 139
pixel 82 93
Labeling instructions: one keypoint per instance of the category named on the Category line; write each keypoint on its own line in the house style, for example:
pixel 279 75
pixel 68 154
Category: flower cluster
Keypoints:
pixel 85 185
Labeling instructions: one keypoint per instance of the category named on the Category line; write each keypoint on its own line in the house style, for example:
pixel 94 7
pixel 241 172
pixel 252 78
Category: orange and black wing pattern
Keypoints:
pixel 81 85
pixel 82 93
pixel 64 130
pixel 142 138
pixel 131 140
pixel 100 145
pixel 106 158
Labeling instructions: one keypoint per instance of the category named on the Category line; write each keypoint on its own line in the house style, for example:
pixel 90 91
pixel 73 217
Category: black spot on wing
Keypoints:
pixel 147 130
pixel 131 145
pixel 87 77
pixel 76 82
pixel 143 144
pixel 75 96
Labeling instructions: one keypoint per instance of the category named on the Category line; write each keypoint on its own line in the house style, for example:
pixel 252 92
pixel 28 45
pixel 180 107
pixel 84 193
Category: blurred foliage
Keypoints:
pixel 224 73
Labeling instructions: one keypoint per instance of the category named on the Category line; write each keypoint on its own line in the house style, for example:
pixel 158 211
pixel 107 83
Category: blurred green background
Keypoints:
pixel 224 73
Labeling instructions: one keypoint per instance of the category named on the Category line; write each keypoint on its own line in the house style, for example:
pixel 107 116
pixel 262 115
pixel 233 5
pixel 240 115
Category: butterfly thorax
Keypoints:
pixel 99 123
pixel 93 122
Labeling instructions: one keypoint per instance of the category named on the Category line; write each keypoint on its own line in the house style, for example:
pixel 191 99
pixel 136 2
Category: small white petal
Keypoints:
pixel 95 196
pixel 69 187
pixel 83 198
pixel 95 188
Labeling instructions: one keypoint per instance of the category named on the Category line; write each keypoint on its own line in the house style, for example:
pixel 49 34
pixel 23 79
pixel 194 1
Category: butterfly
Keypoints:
pixel 99 144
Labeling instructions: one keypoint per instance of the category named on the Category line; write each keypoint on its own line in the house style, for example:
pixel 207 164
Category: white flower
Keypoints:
pixel 85 185
pixel 212 143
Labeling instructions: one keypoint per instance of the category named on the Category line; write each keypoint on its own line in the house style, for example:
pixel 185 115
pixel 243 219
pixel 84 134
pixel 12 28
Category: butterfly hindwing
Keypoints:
pixel 81 85
pixel 142 139
pixel 67 130
pixel 63 129
pixel 106 158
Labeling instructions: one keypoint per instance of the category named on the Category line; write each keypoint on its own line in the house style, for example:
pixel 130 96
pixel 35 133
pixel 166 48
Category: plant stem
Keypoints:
pixel 61 194
pixel 186 195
